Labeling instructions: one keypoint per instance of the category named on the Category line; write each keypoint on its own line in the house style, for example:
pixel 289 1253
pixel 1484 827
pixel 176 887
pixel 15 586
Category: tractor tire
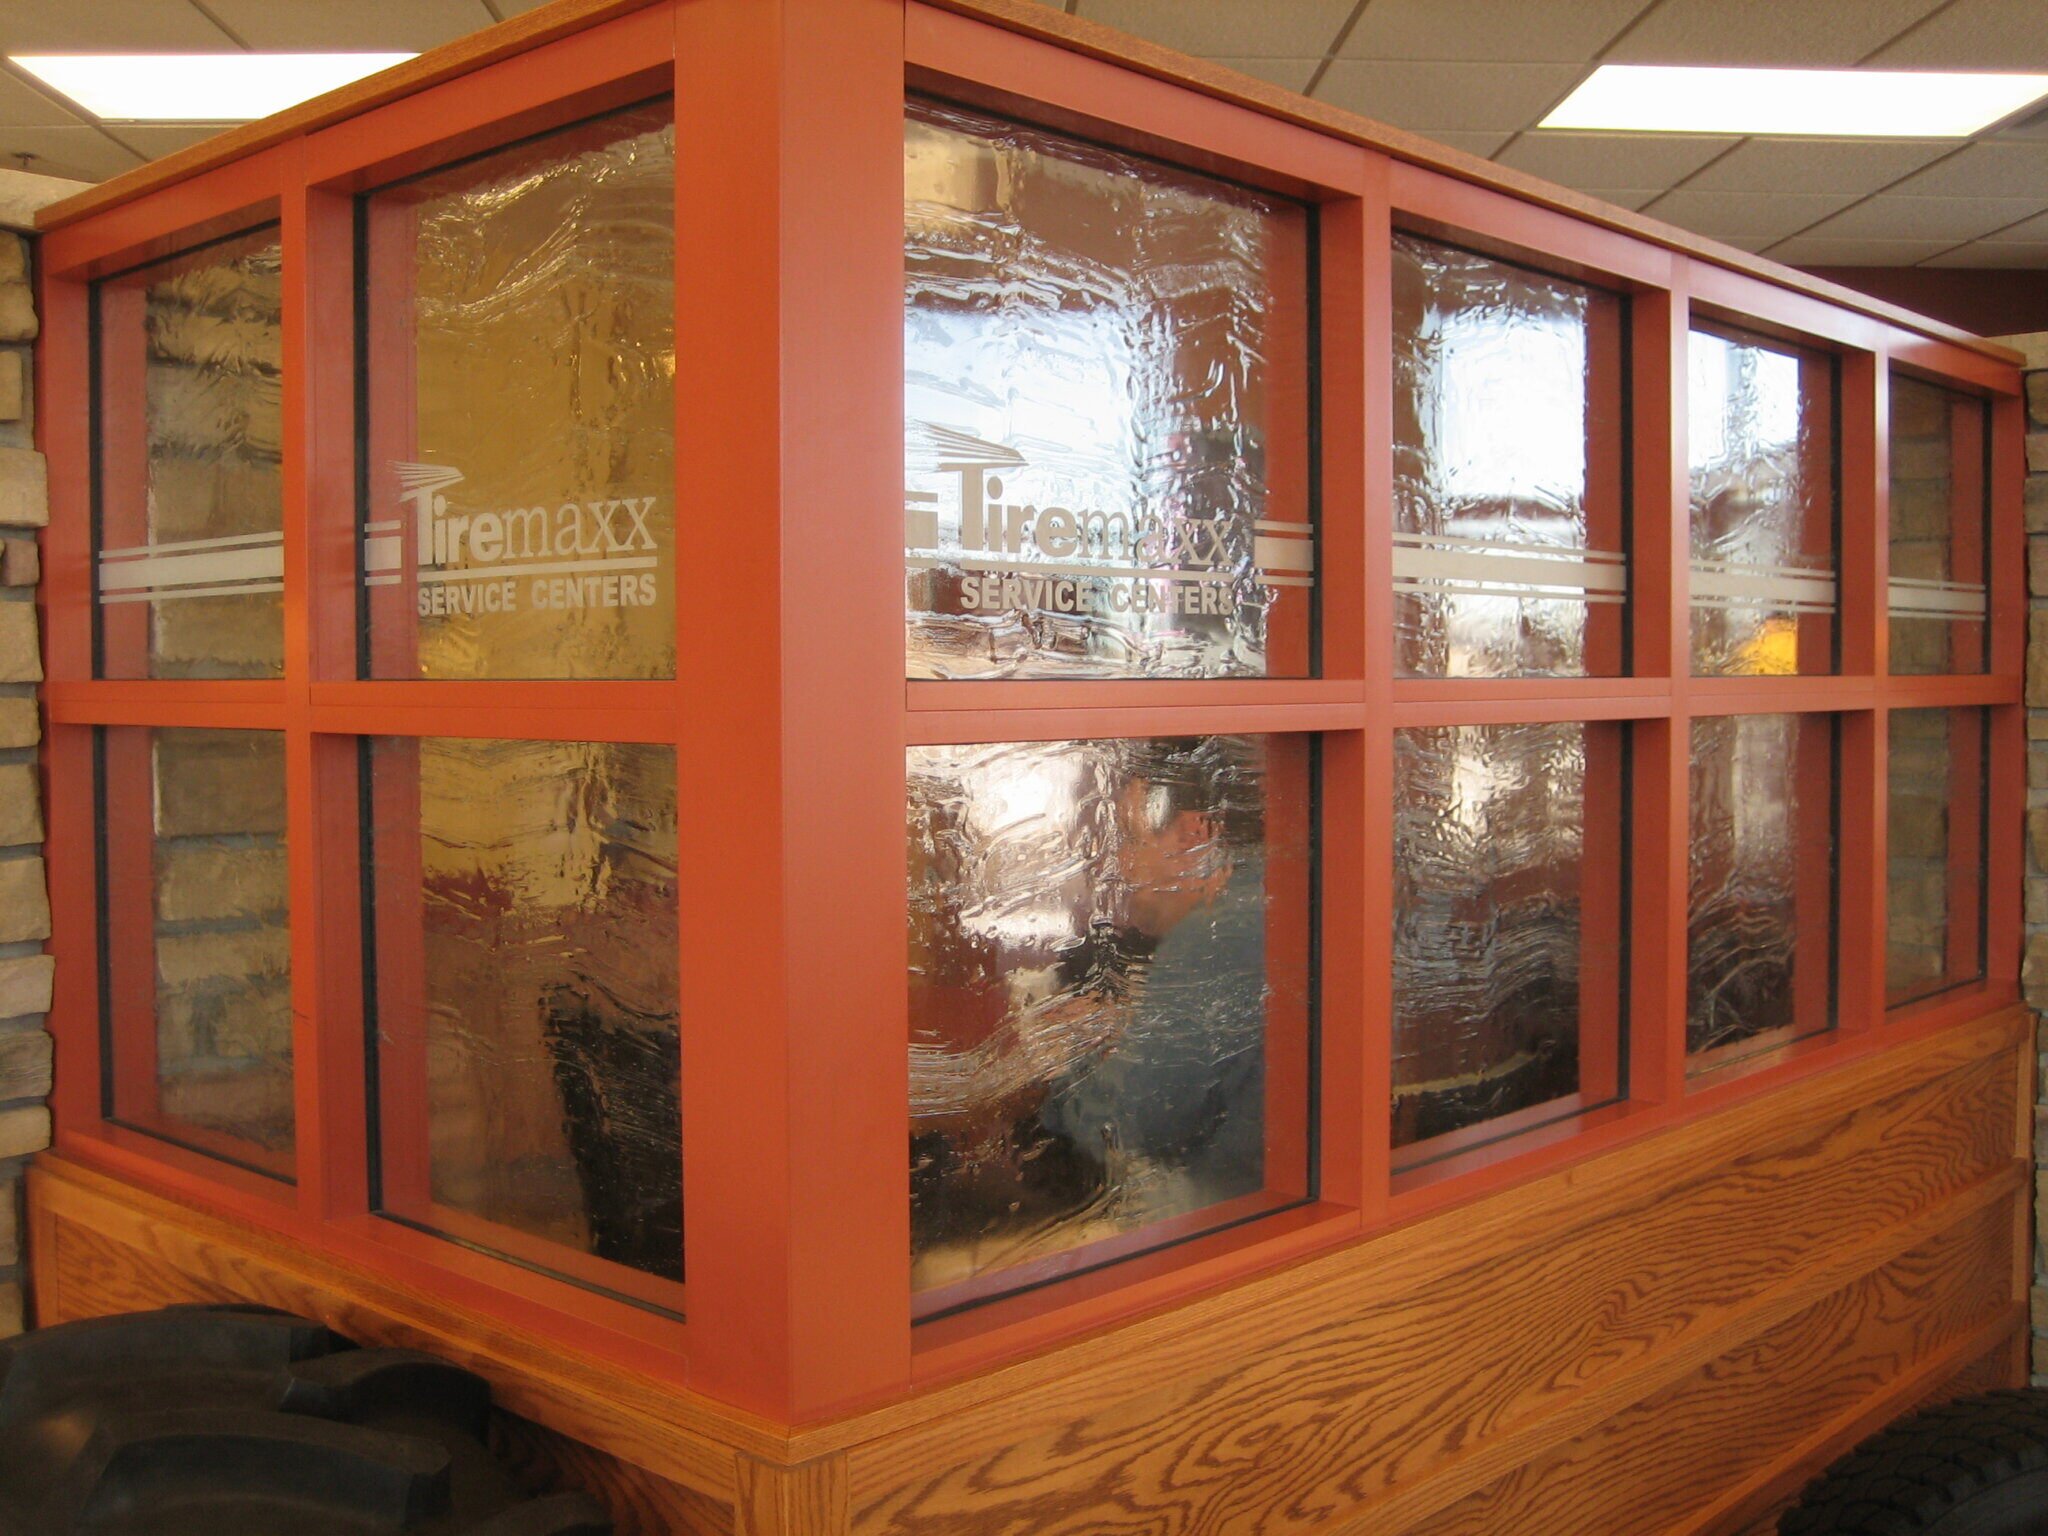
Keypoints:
pixel 1974 1467
pixel 241 1421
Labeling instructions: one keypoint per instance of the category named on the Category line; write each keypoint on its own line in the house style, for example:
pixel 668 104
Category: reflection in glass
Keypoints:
pixel 1761 439
pixel 1109 996
pixel 1940 506
pixel 1507 469
pixel 198 940
pixel 527 1016
pixel 521 373
pixel 1759 933
pixel 1507 923
pixel 1106 404
pixel 190 502
pixel 1935 852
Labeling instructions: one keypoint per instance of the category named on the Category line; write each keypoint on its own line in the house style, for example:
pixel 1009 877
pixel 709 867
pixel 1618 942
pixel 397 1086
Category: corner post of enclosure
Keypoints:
pixel 789 432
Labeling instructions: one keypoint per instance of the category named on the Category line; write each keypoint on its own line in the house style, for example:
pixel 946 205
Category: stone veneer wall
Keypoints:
pixel 2034 976
pixel 24 902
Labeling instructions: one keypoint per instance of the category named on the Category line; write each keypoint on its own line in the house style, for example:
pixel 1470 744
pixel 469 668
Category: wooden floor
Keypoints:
pixel 1667 1338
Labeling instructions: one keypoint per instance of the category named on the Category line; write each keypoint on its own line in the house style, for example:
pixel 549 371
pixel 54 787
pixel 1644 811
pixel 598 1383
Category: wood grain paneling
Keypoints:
pixel 1652 1467
pixel 1668 1336
pixel 641 1503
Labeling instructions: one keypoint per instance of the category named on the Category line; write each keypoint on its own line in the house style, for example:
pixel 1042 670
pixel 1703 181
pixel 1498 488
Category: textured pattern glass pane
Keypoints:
pixel 1761 439
pixel 198 943
pixel 1507 469
pixel 527 998
pixel 191 494
pixel 1760 947
pixel 1106 405
pixel 1507 923
pixel 1935 848
pixel 1109 998
pixel 521 520
pixel 1940 504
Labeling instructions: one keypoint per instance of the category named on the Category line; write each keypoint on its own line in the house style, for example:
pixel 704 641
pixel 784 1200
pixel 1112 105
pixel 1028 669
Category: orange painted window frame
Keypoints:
pixel 791 730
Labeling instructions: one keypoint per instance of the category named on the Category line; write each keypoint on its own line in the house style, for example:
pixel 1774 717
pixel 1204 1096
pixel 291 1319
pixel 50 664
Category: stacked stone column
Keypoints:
pixel 24 903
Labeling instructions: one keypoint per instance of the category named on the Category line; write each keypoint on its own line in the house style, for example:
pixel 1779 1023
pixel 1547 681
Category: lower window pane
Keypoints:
pixel 1109 1000
pixel 528 1060
pixel 1507 929
pixel 1935 843
pixel 1760 931
pixel 198 1006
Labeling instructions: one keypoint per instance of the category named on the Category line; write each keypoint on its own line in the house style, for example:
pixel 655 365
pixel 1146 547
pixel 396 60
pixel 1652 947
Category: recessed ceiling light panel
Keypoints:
pixel 1826 103
pixel 197 87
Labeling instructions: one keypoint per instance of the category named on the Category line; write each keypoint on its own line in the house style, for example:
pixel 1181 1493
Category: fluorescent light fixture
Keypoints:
pixel 1827 103
pixel 197 87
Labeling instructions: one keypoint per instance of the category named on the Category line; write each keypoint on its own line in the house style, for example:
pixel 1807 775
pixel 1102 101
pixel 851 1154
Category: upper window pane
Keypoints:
pixel 1940 511
pixel 1760 435
pixel 1508 432
pixel 527 1047
pixel 1109 1000
pixel 520 313
pixel 196 940
pixel 1106 412
pixel 190 506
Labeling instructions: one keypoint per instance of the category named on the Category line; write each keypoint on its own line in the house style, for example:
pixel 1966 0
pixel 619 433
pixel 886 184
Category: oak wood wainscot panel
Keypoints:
pixel 1764 1285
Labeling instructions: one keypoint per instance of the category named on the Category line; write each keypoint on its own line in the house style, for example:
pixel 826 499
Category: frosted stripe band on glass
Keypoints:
pixel 1953 600
pixel 1717 583
pixel 198 568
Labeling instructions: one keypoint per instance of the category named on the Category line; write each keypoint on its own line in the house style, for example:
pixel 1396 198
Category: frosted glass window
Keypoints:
pixel 521 392
pixel 1508 885
pixel 1508 504
pixel 197 940
pixel 1109 1000
pixel 189 508
pixel 1759 934
pixel 1760 436
pixel 1106 408
pixel 527 1020
pixel 1935 852
pixel 1940 511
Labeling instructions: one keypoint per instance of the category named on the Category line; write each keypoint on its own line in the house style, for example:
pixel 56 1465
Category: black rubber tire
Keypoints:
pixel 240 1421
pixel 1974 1467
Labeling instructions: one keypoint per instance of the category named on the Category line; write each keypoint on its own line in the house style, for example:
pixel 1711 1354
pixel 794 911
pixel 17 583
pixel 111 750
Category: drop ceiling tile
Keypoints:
pixel 1753 244
pixel 1286 29
pixel 1819 251
pixel 1426 95
pixel 2034 229
pixel 1635 199
pixel 1767 32
pixel 108 26
pixel 353 26
pixel 1949 219
pixel 155 139
pixel 1509 30
pixel 1983 253
pixel 1484 143
pixel 1740 217
pixel 1973 34
pixel 1855 166
pixel 1992 169
pixel 1291 74
pixel 81 153
pixel 1613 159
pixel 23 105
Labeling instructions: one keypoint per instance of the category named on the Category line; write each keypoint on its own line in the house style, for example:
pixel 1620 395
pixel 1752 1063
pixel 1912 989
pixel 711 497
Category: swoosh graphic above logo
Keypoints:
pixel 963 450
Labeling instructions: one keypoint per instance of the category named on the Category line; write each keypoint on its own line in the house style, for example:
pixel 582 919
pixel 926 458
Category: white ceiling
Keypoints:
pixel 1477 74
